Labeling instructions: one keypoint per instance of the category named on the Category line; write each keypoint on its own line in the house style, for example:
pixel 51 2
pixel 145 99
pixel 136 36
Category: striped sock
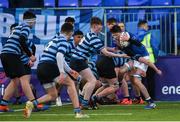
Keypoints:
pixel 35 102
pixel 77 110
pixel 4 102
pixel 149 100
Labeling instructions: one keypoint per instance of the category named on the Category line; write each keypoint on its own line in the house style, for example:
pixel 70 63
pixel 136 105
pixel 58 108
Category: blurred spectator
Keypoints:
pixel 70 20
pixel 26 3
pixel 122 26
pixel 152 46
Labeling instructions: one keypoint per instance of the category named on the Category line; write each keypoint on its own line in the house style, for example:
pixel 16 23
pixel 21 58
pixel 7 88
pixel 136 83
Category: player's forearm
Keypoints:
pixel 60 62
pixel 110 54
pixel 111 49
pixel 66 67
pixel 24 46
pixel 33 47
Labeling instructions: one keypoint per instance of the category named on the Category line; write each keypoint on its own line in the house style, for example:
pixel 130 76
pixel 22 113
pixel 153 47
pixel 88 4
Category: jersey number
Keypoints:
pixel 48 45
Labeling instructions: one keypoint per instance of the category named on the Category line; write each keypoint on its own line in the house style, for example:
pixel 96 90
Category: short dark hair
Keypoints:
pixel 78 32
pixel 70 19
pixel 13 26
pixel 29 15
pixel 115 29
pixel 96 20
pixel 67 28
pixel 142 22
pixel 111 20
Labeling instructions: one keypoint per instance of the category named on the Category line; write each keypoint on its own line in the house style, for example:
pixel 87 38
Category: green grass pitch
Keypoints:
pixel 165 111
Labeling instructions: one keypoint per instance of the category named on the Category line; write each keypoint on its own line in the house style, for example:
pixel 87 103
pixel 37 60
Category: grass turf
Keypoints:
pixel 165 111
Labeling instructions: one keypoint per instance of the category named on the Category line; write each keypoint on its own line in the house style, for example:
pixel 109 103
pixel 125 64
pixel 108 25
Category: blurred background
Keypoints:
pixel 162 15
pixel 163 18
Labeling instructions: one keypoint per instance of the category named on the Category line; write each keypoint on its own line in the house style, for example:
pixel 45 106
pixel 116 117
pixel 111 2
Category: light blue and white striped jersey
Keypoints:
pixel 92 65
pixel 90 46
pixel 120 61
pixel 72 49
pixel 12 45
pixel 58 44
pixel 24 58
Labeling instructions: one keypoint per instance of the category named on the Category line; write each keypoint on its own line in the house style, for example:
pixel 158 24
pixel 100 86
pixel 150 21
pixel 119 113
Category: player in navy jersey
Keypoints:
pixel 90 46
pixel 52 69
pixel 132 47
pixel 126 100
pixel 15 46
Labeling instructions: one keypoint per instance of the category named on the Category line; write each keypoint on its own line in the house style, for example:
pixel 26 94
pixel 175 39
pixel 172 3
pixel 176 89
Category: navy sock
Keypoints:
pixel 149 100
pixel 138 97
pixel 127 97
pixel 85 102
pixel 80 98
pixel 97 98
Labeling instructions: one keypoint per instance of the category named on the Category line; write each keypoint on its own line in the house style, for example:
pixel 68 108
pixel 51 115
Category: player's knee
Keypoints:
pixel 115 85
pixel 93 81
pixel 138 76
pixel 53 96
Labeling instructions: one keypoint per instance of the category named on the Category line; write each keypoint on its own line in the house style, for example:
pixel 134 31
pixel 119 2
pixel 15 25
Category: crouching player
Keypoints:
pixel 110 82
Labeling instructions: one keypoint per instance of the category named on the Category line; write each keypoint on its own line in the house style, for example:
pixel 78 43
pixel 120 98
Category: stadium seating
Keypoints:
pixel 161 2
pixel 176 2
pixel 91 3
pixel 49 3
pixel 4 3
pixel 138 2
pixel 68 3
pixel 113 3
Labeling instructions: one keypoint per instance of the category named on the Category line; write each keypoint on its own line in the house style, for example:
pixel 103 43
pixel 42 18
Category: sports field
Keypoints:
pixel 165 111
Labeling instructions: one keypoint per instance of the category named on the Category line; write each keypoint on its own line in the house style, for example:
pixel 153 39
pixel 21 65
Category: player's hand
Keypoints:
pixel 159 72
pixel 30 63
pixel 124 56
pixel 62 78
pixel 33 58
pixel 74 74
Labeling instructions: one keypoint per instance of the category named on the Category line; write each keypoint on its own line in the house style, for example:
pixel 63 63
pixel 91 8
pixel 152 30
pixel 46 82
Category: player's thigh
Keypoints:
pixel 88 75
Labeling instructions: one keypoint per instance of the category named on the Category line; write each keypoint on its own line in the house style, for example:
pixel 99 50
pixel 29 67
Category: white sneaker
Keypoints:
pixel 80 115
pixel 58 101
pixel 28 109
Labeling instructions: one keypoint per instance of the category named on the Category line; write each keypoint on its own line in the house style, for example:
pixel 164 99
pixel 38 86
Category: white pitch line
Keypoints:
pixel 123 105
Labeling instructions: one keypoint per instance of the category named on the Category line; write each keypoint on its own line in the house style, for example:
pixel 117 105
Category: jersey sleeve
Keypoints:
pixel 63 47
pixel 97 43
pixel 25 31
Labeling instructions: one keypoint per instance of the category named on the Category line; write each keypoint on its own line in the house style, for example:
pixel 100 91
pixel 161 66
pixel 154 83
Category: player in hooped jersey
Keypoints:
pixel 53 69
pixel 15 46
pixel 90 46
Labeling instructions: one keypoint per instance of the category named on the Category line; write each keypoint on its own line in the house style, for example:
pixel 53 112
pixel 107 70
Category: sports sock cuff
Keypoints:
pixel 138 97
pixel 77 110
pixel 35 102
pixel 85 102
pixel 4 102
